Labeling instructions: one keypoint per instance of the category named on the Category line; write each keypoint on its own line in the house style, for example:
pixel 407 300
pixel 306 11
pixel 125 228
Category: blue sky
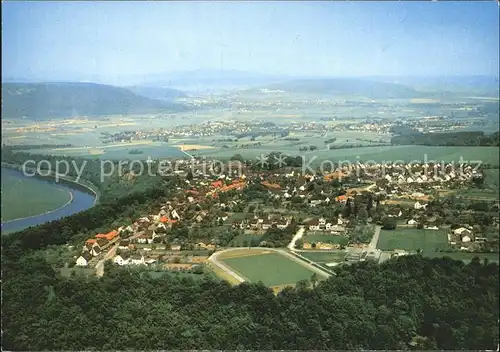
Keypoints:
pixel 112 39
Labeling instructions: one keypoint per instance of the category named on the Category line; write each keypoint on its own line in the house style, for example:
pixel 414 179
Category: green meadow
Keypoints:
pixel 24 197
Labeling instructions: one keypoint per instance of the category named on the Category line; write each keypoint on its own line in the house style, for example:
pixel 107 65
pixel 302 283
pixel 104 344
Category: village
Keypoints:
pixel 344 212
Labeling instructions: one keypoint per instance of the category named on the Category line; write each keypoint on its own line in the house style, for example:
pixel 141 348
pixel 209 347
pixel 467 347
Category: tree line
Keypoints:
pixel 470 139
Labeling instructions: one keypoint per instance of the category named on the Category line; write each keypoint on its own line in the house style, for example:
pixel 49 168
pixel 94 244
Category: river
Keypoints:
pixel 80 201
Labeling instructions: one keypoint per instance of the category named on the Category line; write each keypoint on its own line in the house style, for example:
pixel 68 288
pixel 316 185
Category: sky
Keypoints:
pixel 113 39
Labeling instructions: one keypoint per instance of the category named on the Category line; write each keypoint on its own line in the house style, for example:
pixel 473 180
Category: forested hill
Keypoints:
pixel 472 139
pixel 348 87
pixel 158 93
pixel 408 303
pixel 54 100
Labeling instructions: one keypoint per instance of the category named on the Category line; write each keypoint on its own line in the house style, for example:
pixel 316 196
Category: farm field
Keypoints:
pixel 325 238
pixel 118 151
pixel 376 154
pixel 491 186
pixel 325 257
pixel 481 193
pixel 17 191
pixel 412 239
pixel 271 268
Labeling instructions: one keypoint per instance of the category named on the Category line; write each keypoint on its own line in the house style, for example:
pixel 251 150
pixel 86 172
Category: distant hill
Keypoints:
pixel 210 79
pixel 473 85
pixel 347 87
pixel 159 93
pixel 54 100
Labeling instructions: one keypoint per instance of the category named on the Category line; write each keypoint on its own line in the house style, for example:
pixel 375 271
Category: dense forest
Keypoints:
pixel 470 139
pixel 405 303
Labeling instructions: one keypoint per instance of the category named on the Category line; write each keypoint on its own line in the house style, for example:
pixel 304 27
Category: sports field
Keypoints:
pixel 29 196
pixel 271 268
pixel 412 239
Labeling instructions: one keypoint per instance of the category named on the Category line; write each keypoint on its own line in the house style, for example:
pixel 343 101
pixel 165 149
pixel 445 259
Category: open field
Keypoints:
pixel 376 154
pixel 18 191
pixel 119 151
pixel 271 268
pixel 187 147
pixel 325 257
pixel 412 239
pixel 85 134
pixel 325 238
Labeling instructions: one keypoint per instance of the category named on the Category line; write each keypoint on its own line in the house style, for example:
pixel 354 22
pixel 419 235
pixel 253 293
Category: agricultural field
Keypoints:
pixel 325 238
pixel 271 268
pixel 42 196
pixel 491 188
pixel 403 153
pixel 325 257
pixel 119 151
pixel 412 239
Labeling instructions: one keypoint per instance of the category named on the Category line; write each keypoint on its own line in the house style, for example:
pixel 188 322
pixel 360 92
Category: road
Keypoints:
pixel 373 243
pixel 213 259
pixel 109 255
pixel 298 236
pixel 224 267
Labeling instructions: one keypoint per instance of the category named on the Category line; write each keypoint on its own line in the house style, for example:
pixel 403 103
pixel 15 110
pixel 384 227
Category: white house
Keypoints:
pixel 266 224
pixel 336 229
pixel 83 260
pixel 145 238
pixel 462 231
pixel 282 224
pixel 314 225
pixel 119 260
pixel 137 259
pixel 466 239
pixel 418 206
pixel 175 215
